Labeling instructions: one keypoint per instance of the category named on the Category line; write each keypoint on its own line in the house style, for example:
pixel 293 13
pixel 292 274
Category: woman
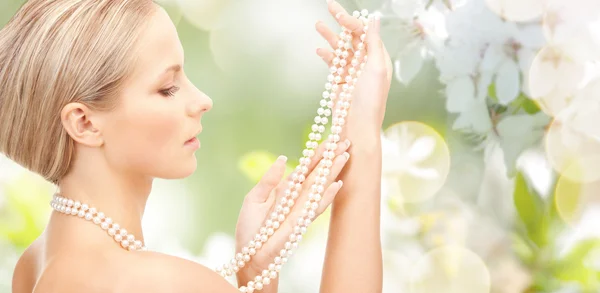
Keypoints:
pixel 104 81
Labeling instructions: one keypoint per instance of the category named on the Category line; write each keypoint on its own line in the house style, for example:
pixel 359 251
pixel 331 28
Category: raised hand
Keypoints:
pixel 259 205
pixel 369 97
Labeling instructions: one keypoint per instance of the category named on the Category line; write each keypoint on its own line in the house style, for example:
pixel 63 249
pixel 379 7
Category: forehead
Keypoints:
pixel 158 47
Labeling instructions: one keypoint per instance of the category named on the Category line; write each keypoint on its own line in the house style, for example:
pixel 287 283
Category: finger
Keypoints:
pixel 260 193
pixel 311 174
pixel 328 34
pixel 374 43
pixel 326 55
pixel 329 196
pixel 281 236
pixel 340 157
pixel 344 19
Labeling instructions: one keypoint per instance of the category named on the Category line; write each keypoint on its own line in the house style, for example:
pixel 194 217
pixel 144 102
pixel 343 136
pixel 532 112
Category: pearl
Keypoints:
pixel 118 237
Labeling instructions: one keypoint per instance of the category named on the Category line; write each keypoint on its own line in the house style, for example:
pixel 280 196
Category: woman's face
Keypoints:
pixel 160 110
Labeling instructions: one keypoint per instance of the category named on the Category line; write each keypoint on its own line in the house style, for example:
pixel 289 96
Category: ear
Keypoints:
pixel 78 121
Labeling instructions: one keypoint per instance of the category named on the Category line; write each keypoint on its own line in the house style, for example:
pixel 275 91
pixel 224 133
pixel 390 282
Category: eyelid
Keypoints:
pixel 170 91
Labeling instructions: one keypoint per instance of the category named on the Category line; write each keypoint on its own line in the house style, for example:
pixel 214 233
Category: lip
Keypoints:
pixel 193 143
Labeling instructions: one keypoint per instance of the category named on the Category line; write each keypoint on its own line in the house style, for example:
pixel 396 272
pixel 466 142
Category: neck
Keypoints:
pixel 119 195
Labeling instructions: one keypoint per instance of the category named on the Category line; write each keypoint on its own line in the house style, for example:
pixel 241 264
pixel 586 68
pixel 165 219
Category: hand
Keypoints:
pixel 260 202
pixel 369 97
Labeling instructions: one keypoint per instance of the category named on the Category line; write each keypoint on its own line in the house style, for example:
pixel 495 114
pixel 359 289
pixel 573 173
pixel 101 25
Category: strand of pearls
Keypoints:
pixel 282 209
pixel 75 208
pixel 315 195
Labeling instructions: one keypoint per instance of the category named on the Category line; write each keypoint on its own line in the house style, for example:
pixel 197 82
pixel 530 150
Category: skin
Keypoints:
pixel 121 151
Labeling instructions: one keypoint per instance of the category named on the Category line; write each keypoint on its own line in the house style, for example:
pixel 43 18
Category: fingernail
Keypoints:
pixel 282 158
pixel 341 183
pixel 347 141
pixel 338 15
pixel 347 155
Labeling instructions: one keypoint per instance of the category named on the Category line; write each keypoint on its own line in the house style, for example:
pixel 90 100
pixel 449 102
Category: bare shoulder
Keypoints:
pixel 130 272
pixel 25 271
pixel 167 273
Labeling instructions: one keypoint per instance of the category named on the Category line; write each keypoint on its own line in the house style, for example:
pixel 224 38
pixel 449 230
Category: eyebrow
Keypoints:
pixel 175 67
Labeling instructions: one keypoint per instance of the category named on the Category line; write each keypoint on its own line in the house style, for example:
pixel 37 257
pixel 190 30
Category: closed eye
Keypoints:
pixel 170 91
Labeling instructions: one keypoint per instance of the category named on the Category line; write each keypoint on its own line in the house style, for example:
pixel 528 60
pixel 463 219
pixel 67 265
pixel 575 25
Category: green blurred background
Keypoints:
pixel 257 61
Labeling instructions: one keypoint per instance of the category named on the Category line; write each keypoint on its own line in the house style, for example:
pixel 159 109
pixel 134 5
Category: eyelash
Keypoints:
pixel 170 91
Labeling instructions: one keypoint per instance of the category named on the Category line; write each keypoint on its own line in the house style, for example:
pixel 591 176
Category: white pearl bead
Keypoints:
pixel 118 237
pixel 116 226
pixel 70 203
pixel 125 243
pixel 84 207
pixel 273 273
pixel 77 204
pixel 81 214
pixel 266 280
pixel 252 251
pixel 108 221
pixel 97 220
pixel 111 232
pixel 130 238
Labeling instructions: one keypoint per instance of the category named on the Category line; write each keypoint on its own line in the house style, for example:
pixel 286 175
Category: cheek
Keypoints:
pixel 146 137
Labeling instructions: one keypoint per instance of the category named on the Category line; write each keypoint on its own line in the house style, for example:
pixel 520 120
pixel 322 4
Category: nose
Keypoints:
pixel 199 103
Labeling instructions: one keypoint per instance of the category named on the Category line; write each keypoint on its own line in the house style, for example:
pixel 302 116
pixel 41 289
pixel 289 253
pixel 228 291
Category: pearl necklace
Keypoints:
pixel 114 230
pixel 299 176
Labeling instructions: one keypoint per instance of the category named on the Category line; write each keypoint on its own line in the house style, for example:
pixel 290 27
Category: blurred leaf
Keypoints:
pixel 517 134
pixel 529 105
pixel 531 211
pixel 26 210
pixel 572 266
pixel 523 249
pixel 492 92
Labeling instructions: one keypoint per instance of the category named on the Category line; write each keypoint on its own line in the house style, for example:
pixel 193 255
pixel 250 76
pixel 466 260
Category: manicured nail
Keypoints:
pixel 282 158
pixel 347 155
pixel 347 141
pixel 338 15
pixel 341 183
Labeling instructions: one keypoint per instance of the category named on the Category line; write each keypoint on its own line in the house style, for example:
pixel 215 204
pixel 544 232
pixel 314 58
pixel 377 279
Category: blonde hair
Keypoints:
pixel 55 52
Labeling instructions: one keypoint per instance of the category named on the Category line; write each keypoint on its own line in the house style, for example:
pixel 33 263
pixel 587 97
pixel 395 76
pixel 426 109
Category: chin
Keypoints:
pixel 181 171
